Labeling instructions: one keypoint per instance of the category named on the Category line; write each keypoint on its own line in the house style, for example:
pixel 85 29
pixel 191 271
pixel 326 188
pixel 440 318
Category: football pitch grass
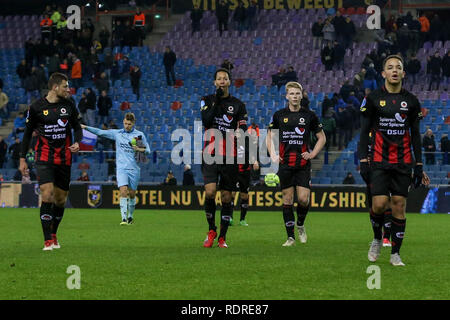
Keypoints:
pixel 161 257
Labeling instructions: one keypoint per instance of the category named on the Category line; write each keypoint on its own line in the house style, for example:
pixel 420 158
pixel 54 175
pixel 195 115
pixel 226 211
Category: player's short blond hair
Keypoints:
pixel 293 84
pixel 130 117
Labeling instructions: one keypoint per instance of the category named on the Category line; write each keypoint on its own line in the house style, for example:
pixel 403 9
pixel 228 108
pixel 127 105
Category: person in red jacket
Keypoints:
pixel 139 24
pixel 46 27
pixel 76 73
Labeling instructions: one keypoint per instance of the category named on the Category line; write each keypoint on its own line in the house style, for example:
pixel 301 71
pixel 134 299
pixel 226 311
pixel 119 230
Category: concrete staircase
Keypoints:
pixel 160 28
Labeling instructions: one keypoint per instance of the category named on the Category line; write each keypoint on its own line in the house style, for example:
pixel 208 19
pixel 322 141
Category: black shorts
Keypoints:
pixel 59 175
pixel 243 181
pixel 223 174
pixel 291 177
pixel 390 182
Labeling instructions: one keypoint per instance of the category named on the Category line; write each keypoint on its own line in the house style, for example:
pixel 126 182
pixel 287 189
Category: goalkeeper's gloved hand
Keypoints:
pixel 418 175
pixel 140 156
pixel 364 170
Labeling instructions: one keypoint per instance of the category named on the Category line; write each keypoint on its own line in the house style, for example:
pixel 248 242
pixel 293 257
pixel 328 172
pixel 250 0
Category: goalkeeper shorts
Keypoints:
pixel 128 177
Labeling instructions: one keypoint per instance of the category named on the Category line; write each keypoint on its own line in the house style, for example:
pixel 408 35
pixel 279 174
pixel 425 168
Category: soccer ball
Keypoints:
pixel 30 157
pixel 133 142
pixel 271 180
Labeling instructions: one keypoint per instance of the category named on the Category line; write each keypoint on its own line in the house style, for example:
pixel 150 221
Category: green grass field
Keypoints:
pixel 161 257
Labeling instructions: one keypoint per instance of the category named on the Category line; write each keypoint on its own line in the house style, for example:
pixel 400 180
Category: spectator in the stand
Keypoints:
pixel 435 64
pixel 250 15
pixel 370 79
pixel 22 71
pixel 429 146
pixel 445 148
pixel 61 29
pixel 317 33
pixel 345 126
pixel 64 67
pixel 391 25
pixel 239 17
pixel 414 28
pixel 104 37
pixel 14 150
pixel 3 104
pixel 104 104
pixel 102 83
pixel 82 108
pixel 135 79
pixel 29 52
pixel 76 73
pixel 83 176
pixel 32 85
pixel 3 151
pixel 358 80
pixel 170 180
pixel 53 64
pixel 435 28
pixel 84 165
pixel 345 90
pixel 403 39
pixel 222 16
pixel 327 56
pixel 112 124
pixel 227 64
pixel 446 69
pixel 46 27
pixel 329 127
pixel 349 179
pixel 424 28
pixel 41 77
pixel 338 56
pixel 290 75
pixel 196 17
pixel 188 176
pixel 19 123
pixel 329 34
pixel 118 33
pixel 339 26
pixel 349 32
pixel 126 65
pixel 413 68
pixel 353 100
pixel 327 103
pixel 139 26
pixel 278 79
pixel 169 61
pixel 91 103
pixel 115 72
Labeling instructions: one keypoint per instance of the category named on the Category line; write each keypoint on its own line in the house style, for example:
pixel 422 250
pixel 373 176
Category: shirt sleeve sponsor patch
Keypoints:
pixel 363 105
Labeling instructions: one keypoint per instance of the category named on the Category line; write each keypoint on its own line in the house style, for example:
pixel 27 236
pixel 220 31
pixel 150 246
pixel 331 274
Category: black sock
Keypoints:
pixel 210 209
pixel 301 214
pixel 377 224
pixel 244 208
pixel 397 233
pixel 226 215
pixel 58 214
pixel 289 220
pixel 46 219
pixel 387 224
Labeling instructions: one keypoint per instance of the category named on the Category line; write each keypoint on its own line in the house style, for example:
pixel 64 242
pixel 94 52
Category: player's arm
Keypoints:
pixel 420 177
pixel 316 127
pixel 109 134
pixel 30 125
pixel 274 125
pixel 145 147
pixel 77 131
pixel 207 108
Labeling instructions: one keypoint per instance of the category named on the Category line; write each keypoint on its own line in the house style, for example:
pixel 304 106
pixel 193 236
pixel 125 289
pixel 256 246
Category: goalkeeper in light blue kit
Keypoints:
pixel 131 149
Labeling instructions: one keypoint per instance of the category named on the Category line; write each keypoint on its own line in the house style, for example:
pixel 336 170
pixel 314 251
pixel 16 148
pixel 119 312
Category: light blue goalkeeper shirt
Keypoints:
pixel 124 152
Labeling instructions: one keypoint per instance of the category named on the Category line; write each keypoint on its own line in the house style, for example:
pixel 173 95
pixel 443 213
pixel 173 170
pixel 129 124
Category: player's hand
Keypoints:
pixel 256 166
pixel 418 175
pixel 364 171
pixel 219 92
pixel 307 156
pixel 23 168
pixel 425 179
pixel 83 126
pixel 276 158
pixel 74 148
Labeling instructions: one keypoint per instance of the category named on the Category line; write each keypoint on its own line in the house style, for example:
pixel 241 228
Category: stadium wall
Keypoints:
pixel 261 198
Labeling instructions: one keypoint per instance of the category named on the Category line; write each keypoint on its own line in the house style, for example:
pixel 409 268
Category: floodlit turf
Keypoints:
pixel 161 257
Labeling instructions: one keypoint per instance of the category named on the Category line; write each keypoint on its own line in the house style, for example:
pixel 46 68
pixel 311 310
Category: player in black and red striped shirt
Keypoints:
pixel 393 115
pixel 222 114
pixel 295 124
pixel 53 117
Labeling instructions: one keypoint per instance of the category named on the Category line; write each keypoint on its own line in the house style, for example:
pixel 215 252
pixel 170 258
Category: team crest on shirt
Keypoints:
pixel 94 195
pixel 285 120
pixel 45 112
pixel 382 103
